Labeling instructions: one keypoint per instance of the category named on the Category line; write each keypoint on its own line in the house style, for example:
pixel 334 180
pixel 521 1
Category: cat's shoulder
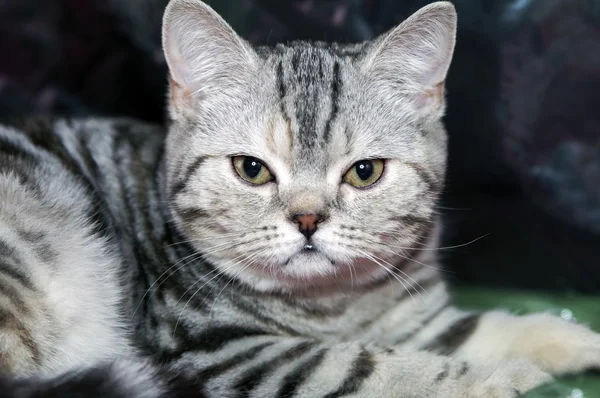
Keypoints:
pixel 53 131
pixel 43 125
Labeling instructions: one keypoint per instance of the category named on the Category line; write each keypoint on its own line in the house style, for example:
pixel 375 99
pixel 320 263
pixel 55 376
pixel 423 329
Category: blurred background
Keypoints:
pixel 523 113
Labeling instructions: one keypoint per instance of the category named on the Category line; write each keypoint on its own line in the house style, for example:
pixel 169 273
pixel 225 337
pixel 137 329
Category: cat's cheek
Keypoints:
pixel 386 238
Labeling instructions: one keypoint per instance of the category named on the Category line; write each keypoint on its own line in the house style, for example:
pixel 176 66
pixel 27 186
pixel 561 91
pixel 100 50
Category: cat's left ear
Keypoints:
pixel 204 54
pixel 414 58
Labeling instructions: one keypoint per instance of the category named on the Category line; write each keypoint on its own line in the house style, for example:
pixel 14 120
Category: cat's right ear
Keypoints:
pixel 204 54
pixel 414 58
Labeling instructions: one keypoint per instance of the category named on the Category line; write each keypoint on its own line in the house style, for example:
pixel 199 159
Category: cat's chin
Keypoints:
pixel 312 271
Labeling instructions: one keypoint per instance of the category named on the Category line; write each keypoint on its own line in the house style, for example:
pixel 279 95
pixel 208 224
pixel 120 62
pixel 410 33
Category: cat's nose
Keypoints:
pixel 307 223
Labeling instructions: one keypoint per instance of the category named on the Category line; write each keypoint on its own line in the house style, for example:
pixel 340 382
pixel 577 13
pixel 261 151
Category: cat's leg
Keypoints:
pixel 121 379
pixel 554 345
pixel 60 292
pixel 273 366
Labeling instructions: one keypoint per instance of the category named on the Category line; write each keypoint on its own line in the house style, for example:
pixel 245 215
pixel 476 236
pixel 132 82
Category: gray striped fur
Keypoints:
pixel 120 240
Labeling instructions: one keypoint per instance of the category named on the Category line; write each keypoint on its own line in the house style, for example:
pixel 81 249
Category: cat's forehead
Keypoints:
pixel 311 79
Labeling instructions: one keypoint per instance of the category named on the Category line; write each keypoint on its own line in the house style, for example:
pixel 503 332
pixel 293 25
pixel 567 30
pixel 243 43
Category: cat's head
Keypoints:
pixel 306 164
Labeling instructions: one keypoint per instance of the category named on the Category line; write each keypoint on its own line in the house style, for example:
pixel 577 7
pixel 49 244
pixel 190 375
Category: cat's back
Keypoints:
pixel 83 146
pixel 65 186
pixel 102 157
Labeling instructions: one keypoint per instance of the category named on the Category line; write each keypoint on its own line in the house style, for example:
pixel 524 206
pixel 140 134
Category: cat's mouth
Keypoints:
pixel 313 266
pixel 307 253
pixel 313 269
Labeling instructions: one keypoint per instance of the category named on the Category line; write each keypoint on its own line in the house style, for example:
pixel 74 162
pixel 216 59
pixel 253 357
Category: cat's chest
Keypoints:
pixel 387 315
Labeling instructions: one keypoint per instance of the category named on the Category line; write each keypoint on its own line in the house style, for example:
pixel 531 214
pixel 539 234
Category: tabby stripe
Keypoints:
pixel 253 377
pixel 101 220
pixel 11 323
pixel 43 250
pixel 139 187
pixel 11 149
pixel 295 61
pixel 19 162
pixel 464 368
pixel 121 150
pixel 175 245
pixel 242 305
pixel 294 379
pixel 425 176
pixel 280 83
pixel 189 173
pixel 453 337
pixel 119 158
pixel 9 253
pixel 443 374
pixel 42 134
pixel 22 171
pixel 424 322
pixel 335 95
pixel 316 311
pixel 411 220
pixel 87 159
pixel 192 214
pixel 155 198
pixel 362 368
pixel 215 338
pixel 228 364
pixel 14 295
pixel 282 95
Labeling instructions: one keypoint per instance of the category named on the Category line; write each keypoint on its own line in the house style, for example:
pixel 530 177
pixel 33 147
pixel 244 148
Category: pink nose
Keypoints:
pixel 307 223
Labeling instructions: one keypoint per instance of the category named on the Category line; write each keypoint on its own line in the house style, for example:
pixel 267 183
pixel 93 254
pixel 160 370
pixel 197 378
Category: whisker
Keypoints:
pixel 405 274
pixel 161 275
pixel 220 273
pixel 242 257
pixel 404 256
pixel 206 239
pixel 454 208
pixel 229 265
pixel 234 277
pixel 399 279
pixel 194 256
pixel 351 278
pixel 434 248
pixel 407 257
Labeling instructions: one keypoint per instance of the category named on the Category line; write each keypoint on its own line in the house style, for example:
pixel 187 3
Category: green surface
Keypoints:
pixel 585 309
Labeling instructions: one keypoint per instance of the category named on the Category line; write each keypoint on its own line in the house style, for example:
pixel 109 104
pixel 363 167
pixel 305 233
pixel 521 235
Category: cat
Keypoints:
pixel 277 239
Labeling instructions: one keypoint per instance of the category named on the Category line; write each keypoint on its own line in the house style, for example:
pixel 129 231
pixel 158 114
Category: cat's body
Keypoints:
pixel 178 263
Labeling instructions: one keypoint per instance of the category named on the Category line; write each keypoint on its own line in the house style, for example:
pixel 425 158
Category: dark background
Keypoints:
pixel 523 114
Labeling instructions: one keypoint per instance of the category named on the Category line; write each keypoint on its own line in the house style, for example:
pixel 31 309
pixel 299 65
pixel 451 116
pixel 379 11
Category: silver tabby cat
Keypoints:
pixel 278 241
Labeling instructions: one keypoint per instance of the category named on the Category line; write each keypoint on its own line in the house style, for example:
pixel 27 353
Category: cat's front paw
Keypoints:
pixel 509 379
pixel 558 346
pixel 553 344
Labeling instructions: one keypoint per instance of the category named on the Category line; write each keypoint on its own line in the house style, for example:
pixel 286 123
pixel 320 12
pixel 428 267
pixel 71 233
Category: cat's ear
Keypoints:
pixel 204 54
pixel 417 54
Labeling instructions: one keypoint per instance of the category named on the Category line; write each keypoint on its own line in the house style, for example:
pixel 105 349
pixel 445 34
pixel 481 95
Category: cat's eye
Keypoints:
pixel 252 170
pixel 364 173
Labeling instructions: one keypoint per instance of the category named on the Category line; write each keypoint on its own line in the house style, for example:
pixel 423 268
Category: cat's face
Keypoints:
pixel 306 165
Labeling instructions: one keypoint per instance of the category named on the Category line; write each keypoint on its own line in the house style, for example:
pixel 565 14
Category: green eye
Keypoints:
pixel 364 173
pixel 252 170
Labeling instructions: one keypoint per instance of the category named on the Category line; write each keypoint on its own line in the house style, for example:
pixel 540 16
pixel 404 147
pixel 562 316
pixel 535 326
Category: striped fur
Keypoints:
pixel 134 262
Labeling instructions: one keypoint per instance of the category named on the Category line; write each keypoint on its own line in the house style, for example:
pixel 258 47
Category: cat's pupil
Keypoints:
pixel 364 169
pixel 252 167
